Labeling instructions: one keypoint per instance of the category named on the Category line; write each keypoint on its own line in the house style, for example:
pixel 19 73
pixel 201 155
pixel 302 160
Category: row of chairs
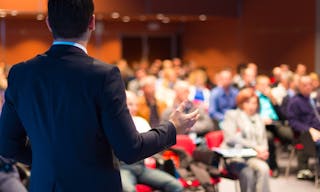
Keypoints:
pixel 213 139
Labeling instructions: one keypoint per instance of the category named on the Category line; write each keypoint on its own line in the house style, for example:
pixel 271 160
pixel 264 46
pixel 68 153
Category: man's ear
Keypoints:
pixel 48 24
pixel 92 23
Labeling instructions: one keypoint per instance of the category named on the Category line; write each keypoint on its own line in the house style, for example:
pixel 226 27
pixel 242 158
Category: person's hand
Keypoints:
pixel 267 121
pixel 262 153
pixel 182 121
pixel 315 134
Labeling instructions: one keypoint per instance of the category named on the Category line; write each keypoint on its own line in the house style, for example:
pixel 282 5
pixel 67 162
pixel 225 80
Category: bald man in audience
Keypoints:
pixel 303 116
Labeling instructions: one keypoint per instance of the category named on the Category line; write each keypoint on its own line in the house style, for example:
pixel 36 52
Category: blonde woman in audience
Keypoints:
pixel 244 128
pixel 198 91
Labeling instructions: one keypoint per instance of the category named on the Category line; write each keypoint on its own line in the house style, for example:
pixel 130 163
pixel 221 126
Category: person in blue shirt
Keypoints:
pixel 222 97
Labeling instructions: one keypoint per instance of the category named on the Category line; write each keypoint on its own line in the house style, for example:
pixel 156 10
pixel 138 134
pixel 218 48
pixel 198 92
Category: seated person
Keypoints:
pixel 302 117
pixel 138 172
pixel 244 128
pixel 198 91
pixel 222 97
pixel 269 114
pixel 149 106
pixel 204 123
pixel 9 177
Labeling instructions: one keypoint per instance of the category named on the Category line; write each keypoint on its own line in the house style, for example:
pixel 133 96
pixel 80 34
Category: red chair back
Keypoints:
pixel 185 142
pixel 214 138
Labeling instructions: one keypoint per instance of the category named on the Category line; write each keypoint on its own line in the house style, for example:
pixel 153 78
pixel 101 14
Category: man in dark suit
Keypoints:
pixel 65 113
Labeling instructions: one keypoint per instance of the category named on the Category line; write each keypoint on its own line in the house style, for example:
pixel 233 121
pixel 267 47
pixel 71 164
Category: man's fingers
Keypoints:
pixel 181 107
pixel 193 114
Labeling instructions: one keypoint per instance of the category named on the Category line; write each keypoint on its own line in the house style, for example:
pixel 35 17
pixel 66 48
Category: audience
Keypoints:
pixel 301 69
pixel 138 173
pixel 304 119
pixel 249 115
pixel 244 128
pixel 134 84
pixel 149 107
pixel 271 120
pixel 182 92
pixel 165 84
pixel 280 91
pixel 222 97
pixel 248 78
pixel 199 93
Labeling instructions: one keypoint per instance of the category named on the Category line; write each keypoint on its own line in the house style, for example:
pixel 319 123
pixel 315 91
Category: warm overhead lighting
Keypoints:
pixel 183 18
pixel 126 19
pixel 3 14
pixel 166 20
pixel 40 17
pixel 115 15
pixel 14 13
pixel 160 16
pixel 202 17
pixel 142 18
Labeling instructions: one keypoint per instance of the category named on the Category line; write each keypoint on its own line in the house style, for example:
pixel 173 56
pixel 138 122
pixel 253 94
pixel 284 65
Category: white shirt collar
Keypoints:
pixel 71 44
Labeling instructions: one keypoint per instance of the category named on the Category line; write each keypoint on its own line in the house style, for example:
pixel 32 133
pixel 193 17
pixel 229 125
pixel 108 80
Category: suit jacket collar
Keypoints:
pixel 61 50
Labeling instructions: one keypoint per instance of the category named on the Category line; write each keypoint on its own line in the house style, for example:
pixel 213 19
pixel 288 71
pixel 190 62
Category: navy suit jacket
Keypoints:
pixel 72 110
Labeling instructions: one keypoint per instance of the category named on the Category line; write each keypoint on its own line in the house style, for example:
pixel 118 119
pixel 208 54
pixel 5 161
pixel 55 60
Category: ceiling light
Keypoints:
pixel 160 16
pixel 126 19
pixel 166 20
pixel 202 17
pixel 40 17
pixel 14 13
pixel 3 14
pixel 115 15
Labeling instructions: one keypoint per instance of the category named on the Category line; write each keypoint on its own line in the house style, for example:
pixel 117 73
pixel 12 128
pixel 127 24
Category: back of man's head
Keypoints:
pixel 69 18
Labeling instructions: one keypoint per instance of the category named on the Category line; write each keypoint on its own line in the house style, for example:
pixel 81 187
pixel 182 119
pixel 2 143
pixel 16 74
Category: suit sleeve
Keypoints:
pixel 128 145
pixel 13 138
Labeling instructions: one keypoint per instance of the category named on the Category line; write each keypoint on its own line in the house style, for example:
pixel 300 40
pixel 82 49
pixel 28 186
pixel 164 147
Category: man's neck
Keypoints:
pixel 75 40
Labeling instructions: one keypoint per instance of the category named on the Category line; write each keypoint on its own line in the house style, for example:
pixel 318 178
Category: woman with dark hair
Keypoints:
pixel 243 128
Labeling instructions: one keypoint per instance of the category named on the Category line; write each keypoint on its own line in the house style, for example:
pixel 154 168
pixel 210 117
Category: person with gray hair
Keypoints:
pixel 204 123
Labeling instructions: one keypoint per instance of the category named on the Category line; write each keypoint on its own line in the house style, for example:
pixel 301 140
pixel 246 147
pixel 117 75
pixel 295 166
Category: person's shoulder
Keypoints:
pixel 103 66
pixel 23 65
pixel 216 90
pixel 295 98
pixel 232 113
pixel 234 89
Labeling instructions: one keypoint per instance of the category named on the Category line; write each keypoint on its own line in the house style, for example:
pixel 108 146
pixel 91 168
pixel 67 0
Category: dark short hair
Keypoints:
pixel 69 18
